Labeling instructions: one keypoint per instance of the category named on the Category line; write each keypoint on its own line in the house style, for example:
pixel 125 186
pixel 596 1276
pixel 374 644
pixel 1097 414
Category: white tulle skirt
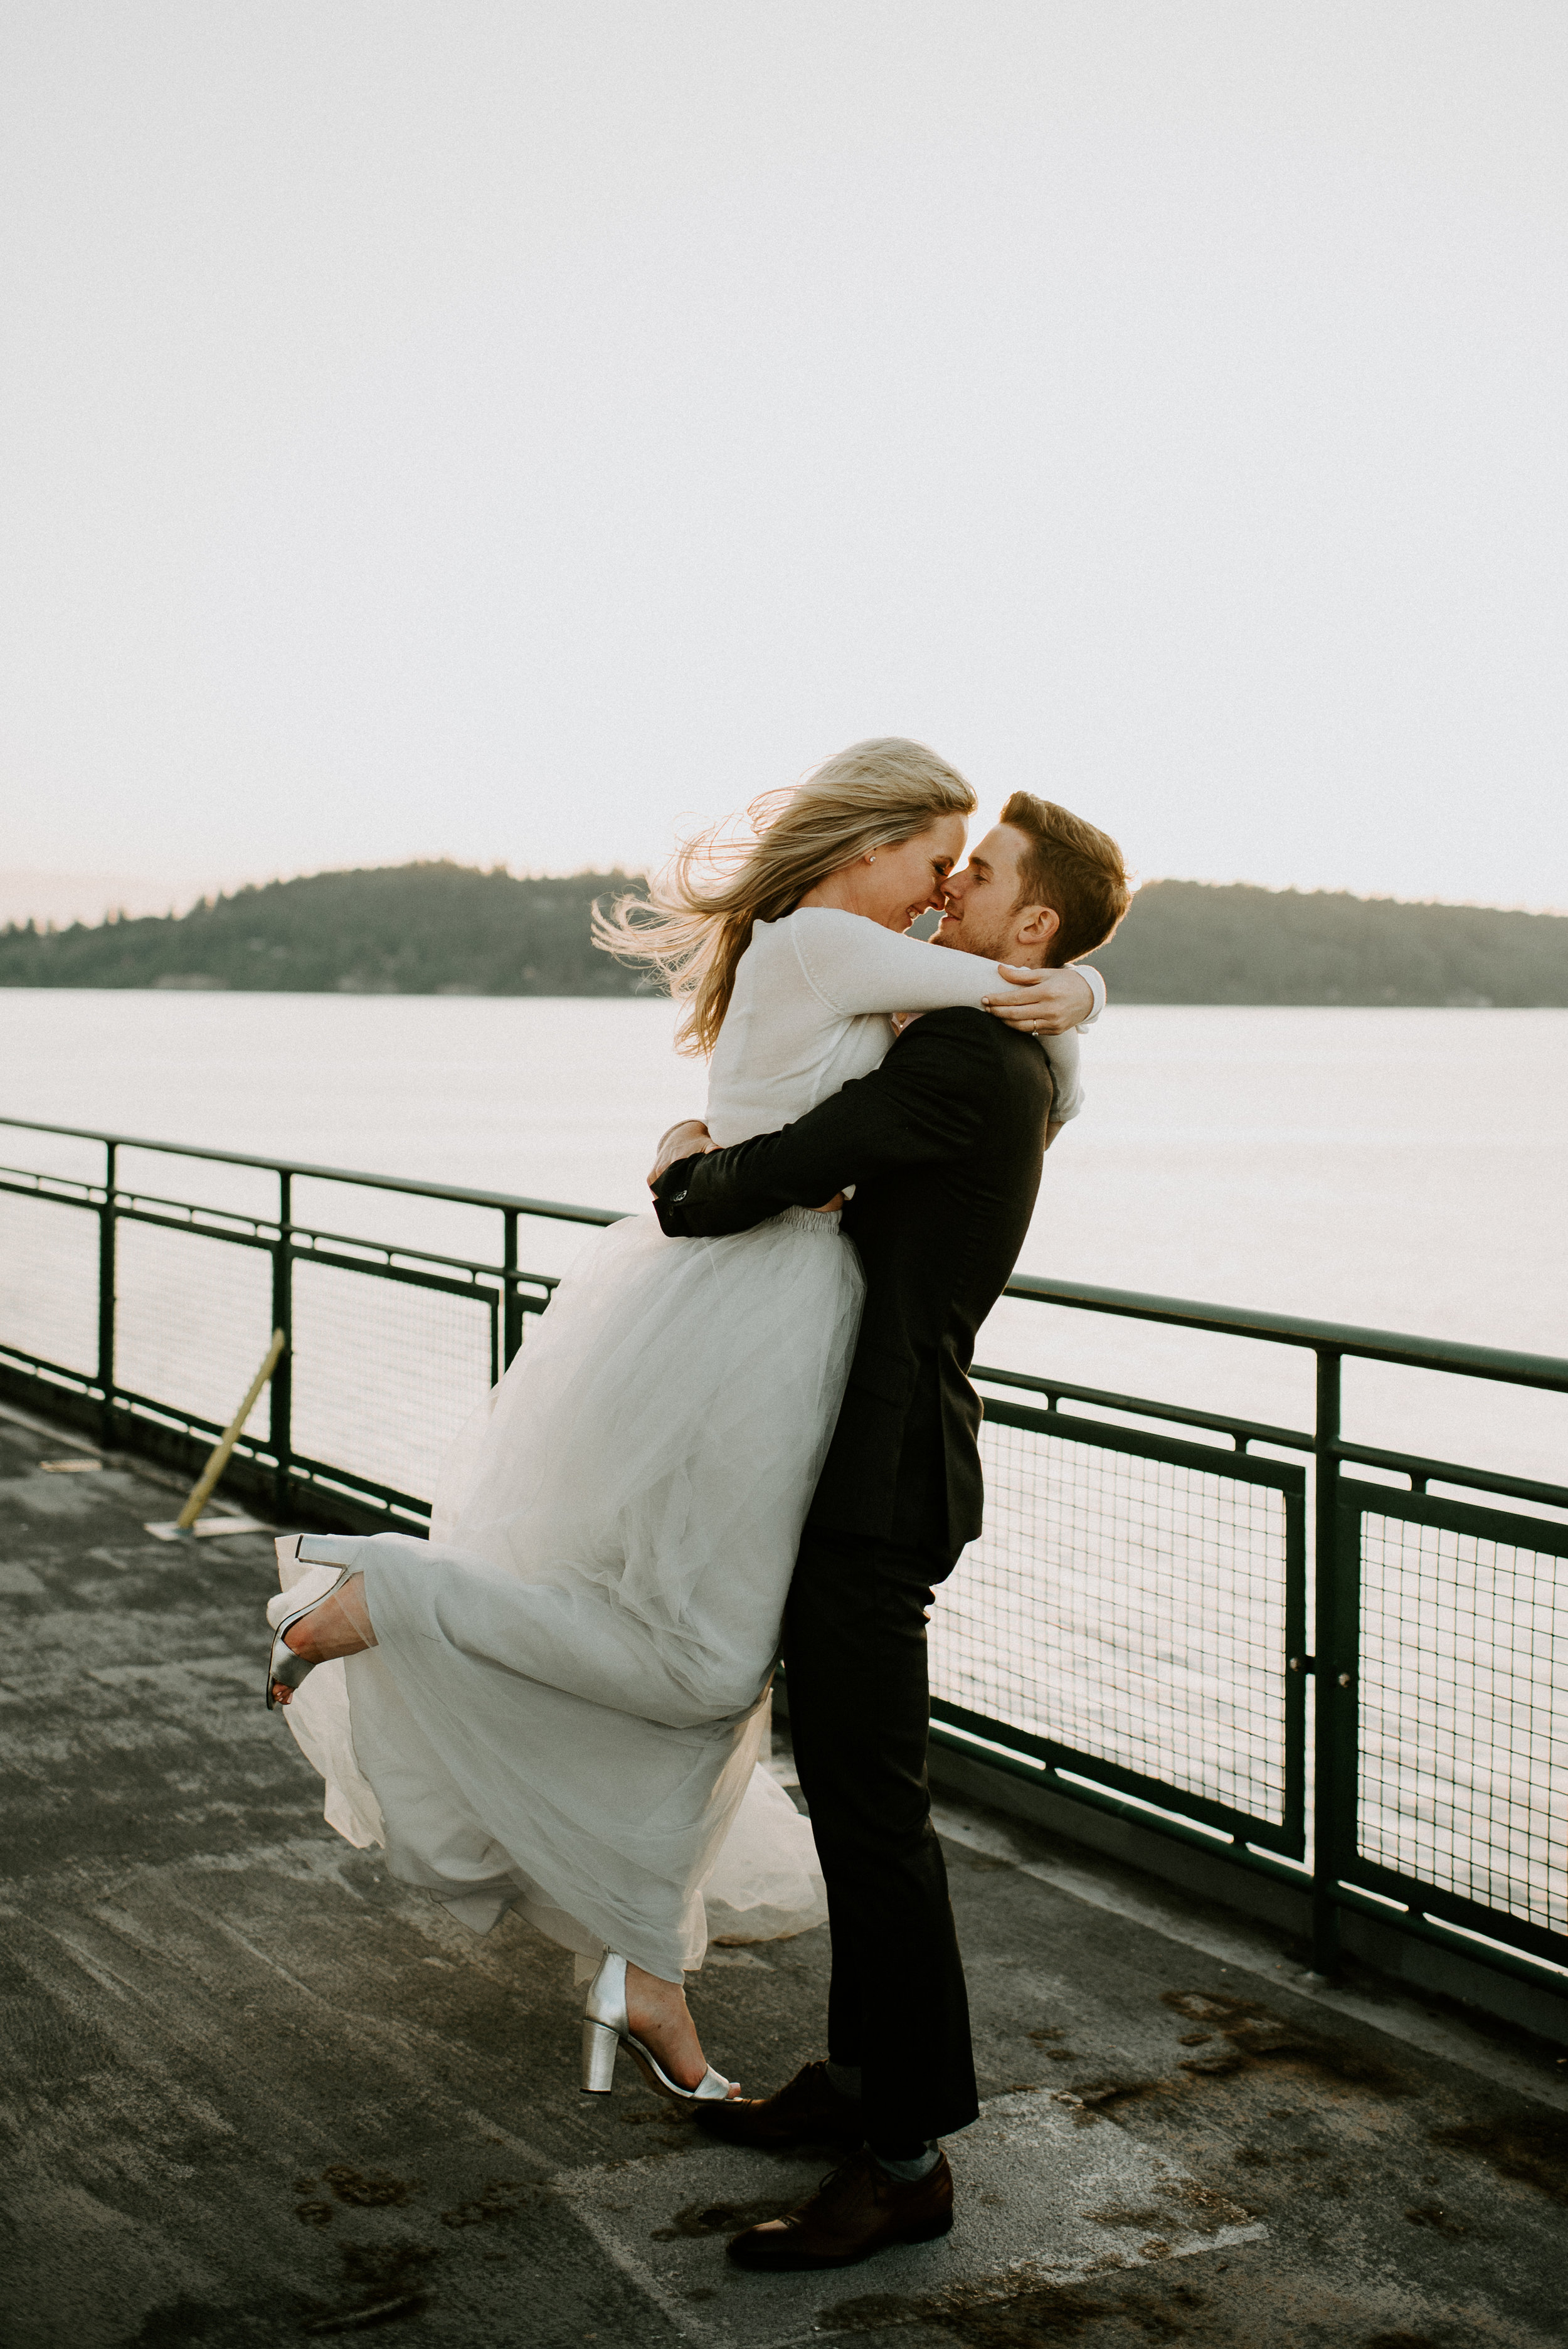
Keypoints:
pixel 567 1704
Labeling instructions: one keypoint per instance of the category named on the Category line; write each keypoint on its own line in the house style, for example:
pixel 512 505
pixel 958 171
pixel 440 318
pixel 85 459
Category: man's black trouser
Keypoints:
pixel 855 1659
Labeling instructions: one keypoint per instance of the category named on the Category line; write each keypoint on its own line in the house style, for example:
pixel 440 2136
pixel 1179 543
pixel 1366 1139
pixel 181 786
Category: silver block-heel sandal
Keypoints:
pixel 606 2027
pixel 284 1667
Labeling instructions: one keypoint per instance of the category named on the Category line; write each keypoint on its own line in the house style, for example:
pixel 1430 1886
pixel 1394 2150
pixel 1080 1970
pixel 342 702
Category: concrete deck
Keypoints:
pixel 254 2092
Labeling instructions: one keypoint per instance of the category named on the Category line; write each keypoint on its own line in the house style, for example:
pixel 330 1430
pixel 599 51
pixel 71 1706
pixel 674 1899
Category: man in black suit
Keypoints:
pixel 941 1148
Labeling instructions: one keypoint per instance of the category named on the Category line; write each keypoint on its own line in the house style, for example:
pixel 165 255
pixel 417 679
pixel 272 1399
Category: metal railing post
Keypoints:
pixel 105 1296
pixel 1331 1787
pixel 281 1407
pixel 512 1303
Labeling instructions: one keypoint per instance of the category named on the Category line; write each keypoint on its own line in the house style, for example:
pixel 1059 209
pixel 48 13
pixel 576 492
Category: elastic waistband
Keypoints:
pixel 806 1219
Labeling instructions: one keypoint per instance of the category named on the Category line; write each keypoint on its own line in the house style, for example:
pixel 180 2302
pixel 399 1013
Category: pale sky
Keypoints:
pixel 512 431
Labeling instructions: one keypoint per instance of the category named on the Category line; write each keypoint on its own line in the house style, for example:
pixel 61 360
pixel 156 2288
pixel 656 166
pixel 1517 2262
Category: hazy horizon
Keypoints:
pixel 93 898
pixel 518 434
pixel 139 898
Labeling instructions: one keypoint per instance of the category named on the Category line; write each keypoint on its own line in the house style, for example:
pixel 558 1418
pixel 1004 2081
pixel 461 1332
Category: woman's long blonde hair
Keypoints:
pixel 696 922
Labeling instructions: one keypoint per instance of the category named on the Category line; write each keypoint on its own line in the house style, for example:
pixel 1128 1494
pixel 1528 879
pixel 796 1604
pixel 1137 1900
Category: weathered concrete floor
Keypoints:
pixel 255 2092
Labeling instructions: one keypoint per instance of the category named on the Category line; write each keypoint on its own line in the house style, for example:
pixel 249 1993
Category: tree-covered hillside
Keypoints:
pixel 408 929
pixel 1191 941
pixel 425 929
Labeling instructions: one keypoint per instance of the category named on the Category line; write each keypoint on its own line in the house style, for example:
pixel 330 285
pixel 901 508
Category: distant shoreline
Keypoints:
pixel 451 930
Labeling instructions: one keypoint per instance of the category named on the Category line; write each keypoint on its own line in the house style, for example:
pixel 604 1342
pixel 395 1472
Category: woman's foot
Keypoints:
pixel 339 1626
pixel 657 2015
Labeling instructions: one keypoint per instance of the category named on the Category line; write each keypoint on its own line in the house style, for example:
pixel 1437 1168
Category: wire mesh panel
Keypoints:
pixel 48 1281
pixel 1463 1767
pixel 385 1372
pixel 1129 1604
pixel 192 1321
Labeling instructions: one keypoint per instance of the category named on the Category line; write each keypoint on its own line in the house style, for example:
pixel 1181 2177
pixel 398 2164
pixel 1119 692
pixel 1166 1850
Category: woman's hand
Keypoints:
pixel 1043 1002
pixel 690 1139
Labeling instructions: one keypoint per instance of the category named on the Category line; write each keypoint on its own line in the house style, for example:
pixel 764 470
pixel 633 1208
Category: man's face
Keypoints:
pixel 983 913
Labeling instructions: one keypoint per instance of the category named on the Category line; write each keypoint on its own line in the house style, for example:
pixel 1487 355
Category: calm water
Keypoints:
pixel 1402 1169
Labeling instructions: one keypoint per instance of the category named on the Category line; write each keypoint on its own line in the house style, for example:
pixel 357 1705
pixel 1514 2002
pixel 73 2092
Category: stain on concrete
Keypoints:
pixel 375 2190
pixel 1258 2157
pixel 1440 2221
pixel 1255 2035
pixel 1255 2039
pixel 985 2317
pixel 184 2319
pixel 1529 2147
pixel 1200 2209
pixel 1215 2067
pixel 502 2197
pixel 675 2133
pixel 1093 2098
pixel 721 2219
pixel 391 2281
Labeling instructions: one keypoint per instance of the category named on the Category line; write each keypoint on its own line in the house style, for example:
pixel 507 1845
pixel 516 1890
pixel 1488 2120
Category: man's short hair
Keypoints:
pixel 1074 868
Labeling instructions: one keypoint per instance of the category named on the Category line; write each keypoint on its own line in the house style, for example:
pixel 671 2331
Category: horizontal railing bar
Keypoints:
pixel 1254 1431
pixel 460 1194
pixel 41 1365
pixel 505 1274
pixel 262 1231
pixel 303 1470
pixel 1144 1442
pixel 86 1196
pixel 74 1188
pixel 502 1276
pixel 1504 1957
pixel 476 1291
pixel 1054 1755
pixel 1467 1917
pixel 193 1422
pixel 380 1256
pixel 1444 1471
pixel 1364 1456
pixel 182 1214
pixel 1448 1514
pixel 1547 1371
pixel 1137 1813
pixel 253 1238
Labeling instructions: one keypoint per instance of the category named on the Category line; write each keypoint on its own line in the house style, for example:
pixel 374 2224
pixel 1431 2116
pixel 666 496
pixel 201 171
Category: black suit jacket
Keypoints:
pixel 944 1144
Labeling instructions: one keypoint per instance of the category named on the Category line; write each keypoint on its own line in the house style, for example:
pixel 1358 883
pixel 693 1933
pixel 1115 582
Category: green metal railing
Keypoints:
pixel 1132 1631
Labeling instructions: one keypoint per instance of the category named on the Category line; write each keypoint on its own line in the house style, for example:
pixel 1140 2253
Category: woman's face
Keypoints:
pixel 905 881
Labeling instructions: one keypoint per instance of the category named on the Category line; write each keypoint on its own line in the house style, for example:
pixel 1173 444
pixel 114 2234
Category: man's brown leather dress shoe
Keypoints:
pixel 858 2210
pixel 809 2111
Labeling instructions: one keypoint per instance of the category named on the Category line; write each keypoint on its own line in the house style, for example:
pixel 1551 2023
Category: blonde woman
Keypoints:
pixel 556 1703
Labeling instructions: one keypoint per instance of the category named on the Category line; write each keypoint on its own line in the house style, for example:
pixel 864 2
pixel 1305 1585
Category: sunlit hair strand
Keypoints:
pixel 696 922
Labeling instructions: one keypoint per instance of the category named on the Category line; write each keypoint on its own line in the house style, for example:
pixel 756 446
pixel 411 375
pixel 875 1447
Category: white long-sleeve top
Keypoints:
pixel 814 995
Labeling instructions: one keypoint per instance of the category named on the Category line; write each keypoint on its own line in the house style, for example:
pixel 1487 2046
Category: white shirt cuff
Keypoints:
pixel 1097 988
